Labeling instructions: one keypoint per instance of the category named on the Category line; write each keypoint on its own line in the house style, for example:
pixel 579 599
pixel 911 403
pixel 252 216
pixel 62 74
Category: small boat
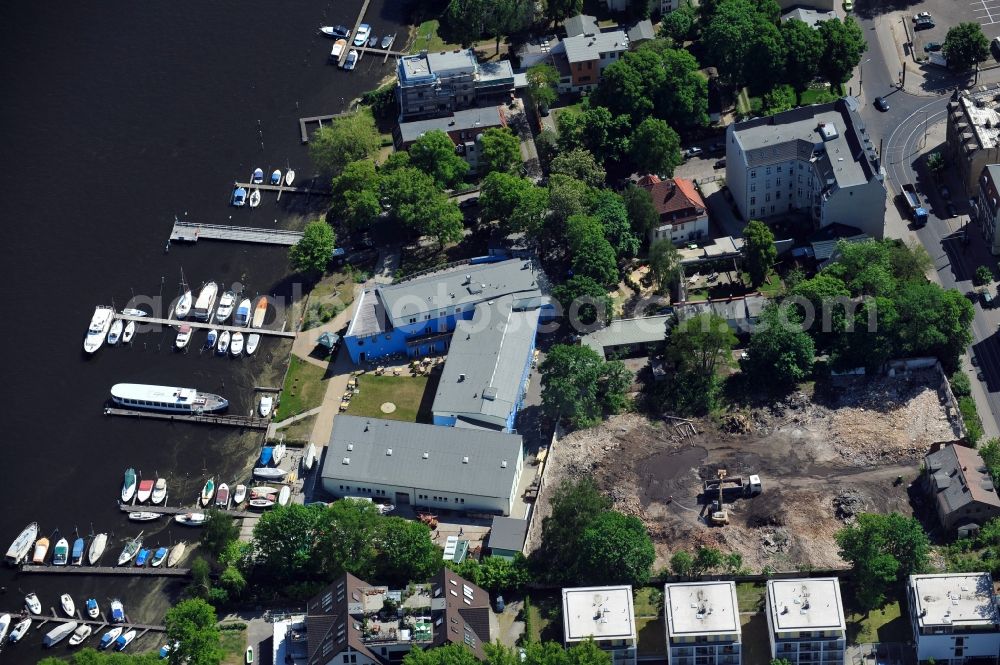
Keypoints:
pixel 117 611
pixel 253 340
pixel 337 50
pixel 4 626
pixel 255 198
pixel 41 550
pixel 276 177
pixel 334 30
pixel 361 36
pixel 249 656
pixel 289 177
pixel 32 603
pixel 352 60
pixel 176 554
pixel 109 637
pixel 129 485
pixel 183 336
pixel 93 609
pixel 372 41
pixel 18 550
pixel 239 197
pixel 239 494
pixel 205 304
pixel 243 313
pixel 165 650
pixel 76 558
pixel 100 323
pixel 129 332
pixel 134 312
pixel 222 496
pixel 124 640
pixel 387 41
pixel 279 453
pixel 96 549
pixel 266 402
pixel 309 458
pixel 207 492
pixel 213 337
pixel 225 308
pixel 257 177
pixel 266 455
pixel 263 492
pixel 191 519
pixel 145 491
pixel 159 491
pixel 80 634
pixel 236 345
pixel 158 557
pixel 131 548
pixel 261 504
pixel 60 553
pixel 59 633
pixel 267 473
pixel 68 606
pixel 142 557
pixel 20 629
pixel 115 333
pixel 223 345
pixel 183 305
pixel 284 496
pixel 143 516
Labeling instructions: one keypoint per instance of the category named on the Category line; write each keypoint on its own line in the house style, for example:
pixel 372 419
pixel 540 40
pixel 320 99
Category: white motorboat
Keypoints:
pixel 129 332
pixel 239 494
pixel 261 504
pixel 129 485
pixel 115 333
pixel 207 492
pixel 254 198
pixel 334 31
pixel 191 519
pixel 32 603
pixel 266 402
pixel 276 177
pixel 21 629
pixel 176 554
pixel 279 453
pixel 243 313
pixel 309 457
pixel 100 323
pixel 257 177
pixel 269 473
pixel 133 312
pixel 4 626
pixel 213 337
pixel 337 50
pixel 80 634
pixel 236 345
pixel 41 550
pixel 60 553
pixel 124 640
pixel 284 496
pixel 93 609
pixel 166 398
pixel 239 197
pixel 352 60
pixel 223 346
pixel 18 550
pixel 59 633
pixel 96 549
pixel 225 308
pixel 263 491
pixel 183 336
pixel 388 40
pixel 68 606
pixel 109 637
pixel 143 516
pixel 289 177
pixel 205 304
pixel 362 35
pixel 253 340
pixel 259 312
pixel 183 305
pixel 159 491
pixel 145 491
pixel 222 496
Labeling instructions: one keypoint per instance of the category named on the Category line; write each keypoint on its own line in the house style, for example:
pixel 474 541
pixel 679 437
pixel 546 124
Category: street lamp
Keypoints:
pixel 861 75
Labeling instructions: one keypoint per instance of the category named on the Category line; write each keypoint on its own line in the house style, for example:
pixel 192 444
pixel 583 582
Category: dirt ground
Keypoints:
pixel 821 460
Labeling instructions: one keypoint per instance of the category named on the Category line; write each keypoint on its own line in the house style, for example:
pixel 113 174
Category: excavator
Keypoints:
pixel 719 515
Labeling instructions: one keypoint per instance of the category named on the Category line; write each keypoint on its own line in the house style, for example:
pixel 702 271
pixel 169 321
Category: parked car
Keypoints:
pixel 921 16
pixel 720 164
pixel 932 46
pixel 881 104
pixel 692 151
pixel 924 24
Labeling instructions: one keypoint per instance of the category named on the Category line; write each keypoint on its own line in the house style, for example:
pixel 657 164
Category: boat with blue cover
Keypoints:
pixel 265 455
pixel 77 557
pixel 239 197
pixel 142 557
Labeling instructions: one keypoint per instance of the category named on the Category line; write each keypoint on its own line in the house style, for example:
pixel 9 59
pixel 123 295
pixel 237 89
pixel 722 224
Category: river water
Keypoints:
pixel 115 117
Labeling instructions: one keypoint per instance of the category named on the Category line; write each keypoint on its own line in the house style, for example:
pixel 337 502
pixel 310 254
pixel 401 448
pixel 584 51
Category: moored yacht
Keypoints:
pixel 100 323
pixel 41 550
pixel 18 550
pixel 166 398
pixel 159 491
pixel 60 553
pixel 96 548
pixel 236 345
pixel 243 313
pixel 223 346
pixel 226 303
pixel 205 303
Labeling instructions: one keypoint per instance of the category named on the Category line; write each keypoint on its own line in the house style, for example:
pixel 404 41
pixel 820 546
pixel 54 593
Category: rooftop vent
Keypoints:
pixel 388 452
pixel 468 279
pixel 827 130
pixel 426 455
pixel 465 460
pixel 350 446
pixel 346 460
pixel 503 464
pixel 461 377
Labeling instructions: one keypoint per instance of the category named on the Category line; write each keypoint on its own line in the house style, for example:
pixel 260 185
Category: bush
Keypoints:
pixel 973 424
pixel 233 626
pixel 529 629
pixel 960 384
pixel 983 275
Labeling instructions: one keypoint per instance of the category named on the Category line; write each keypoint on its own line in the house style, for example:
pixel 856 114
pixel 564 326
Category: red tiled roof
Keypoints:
pixel 674 199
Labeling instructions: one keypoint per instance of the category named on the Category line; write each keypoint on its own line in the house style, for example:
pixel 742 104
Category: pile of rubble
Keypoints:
pixel 849 503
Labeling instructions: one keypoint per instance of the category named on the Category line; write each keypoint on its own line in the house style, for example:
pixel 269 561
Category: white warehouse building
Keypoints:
pixel 805 620
pixel 955 617
pixel 703 623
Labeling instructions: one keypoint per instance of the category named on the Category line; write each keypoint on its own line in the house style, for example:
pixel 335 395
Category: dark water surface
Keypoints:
pixel 114 117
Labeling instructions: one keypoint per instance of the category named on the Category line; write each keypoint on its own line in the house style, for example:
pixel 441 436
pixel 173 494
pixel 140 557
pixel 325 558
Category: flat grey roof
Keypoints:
pixel 459 60
pixel 702 608
pixel 366 442
pixel 495 70
pixel 812 603
pixel 619 332
pixel 489 116
pixel 508 533
pixel 960 600
pixel 486 359
pixel 604 613
pixel 590 47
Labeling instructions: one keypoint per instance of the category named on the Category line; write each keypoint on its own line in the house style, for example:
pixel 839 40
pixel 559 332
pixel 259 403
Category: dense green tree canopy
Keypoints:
pixel 584 300
pixel 312 253
pixel 500 149
pixel 697 347
pixel 464 21
pixel 759 253
pixel 884 550
pixel 558 11
pixel 779 348
pixel 91 656
pixel 641 211
pixel 844 43
pixel 804 46
pixel 517 203
pixel 406 551
pixel 591 253
pixel 965 46
pixel 616 549
pixel 344 140
pixel 609 208
pixel 578 385
pixel 678 24
pixel 579 163
pixel 496 574
pixel 605 135
pixel 191 624
pixel 543 80
pixel 576 503
pixel 664 263
pixel 656 148
pixel 743 41
pixel 434 154
pixel 355 194
pixel 218 531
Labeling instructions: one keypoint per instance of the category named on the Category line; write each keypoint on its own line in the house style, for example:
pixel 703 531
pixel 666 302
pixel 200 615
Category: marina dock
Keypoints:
pixel 99 624
pixel 144 571
pixel 320 119
pixel 251 422
pixel 192 232
pixel 206 325
pixel 181 510
pixel 350 35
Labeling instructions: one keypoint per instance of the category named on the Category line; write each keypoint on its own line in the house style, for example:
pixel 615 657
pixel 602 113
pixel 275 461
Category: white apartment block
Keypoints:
pixel 703 623
pixel 955 618
pixel 605 614
pixel 805 620
pixel 817 161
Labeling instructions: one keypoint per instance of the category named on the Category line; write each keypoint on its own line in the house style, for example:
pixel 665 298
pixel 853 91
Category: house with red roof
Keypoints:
pixel 683 215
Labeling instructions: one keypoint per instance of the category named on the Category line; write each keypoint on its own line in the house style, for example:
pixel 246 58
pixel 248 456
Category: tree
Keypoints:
pixel 656 148
pixel 682 563
pixel 641 211
pixel 312 253
pixel 508 16
pixel 90 656
pixel 346 139
pixel 678 24
pixel 884 550
pixel 405 551
pixel 577 384
pixel 346 541
pixel 500 149
pixel 579 163
pixel 496 574
pixel 519 204
pixel 707 559
pixel 983 275
pixel 567 197
pixel 283 543
pixel 449 654
pixel 592 254
pixel 759 253
pixel 558 11
pixel 804 46
pixel 411 193
pixel 935 163
pixel 616 549
pixel 463 21
pixel 191 627
pixel 843 45
pixel 779 99
pixel 664 263
pixel 933 322
pixel 628 86
pixel 542 82
pixel 584 302
pixel 697 346
pixel 744 43
pixel 219 530
pixel 610 210
pixel 779 349
pixel 434 154
pixel 442 219
pixel 965 46
pixel 547 145
pixel 682 99
pixel 355 195
pixel 576 503
pixel 605 135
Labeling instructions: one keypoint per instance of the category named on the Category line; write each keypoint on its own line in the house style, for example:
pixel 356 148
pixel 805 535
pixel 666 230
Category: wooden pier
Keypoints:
pixel 99 624
pixel 251 422
pixel 320 119
pixel 145 571
pixel 181 510
pixel 284 188
pixel 207 325
pixel 350 35
pixel 192 232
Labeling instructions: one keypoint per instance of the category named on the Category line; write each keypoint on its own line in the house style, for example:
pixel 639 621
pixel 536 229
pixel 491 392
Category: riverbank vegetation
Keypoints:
pixel 303 390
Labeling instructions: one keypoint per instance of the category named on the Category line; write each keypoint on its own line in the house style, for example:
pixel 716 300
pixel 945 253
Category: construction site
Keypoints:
pixel 773 484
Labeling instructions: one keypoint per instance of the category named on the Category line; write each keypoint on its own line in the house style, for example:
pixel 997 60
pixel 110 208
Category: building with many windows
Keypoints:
pixel 961 489
pixel 463 127
pixel 815 161
pixel 703 623
pixel 805 620
pixel 433 84
pixel 604 614
pixel 682 211
pixel 985 209
pixel 955 618
pixel 973 133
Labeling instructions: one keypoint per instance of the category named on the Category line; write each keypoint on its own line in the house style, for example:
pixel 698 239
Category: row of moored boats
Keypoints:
pixel 241 197
pixel 78 632
pixel 363 37
pixel 29 548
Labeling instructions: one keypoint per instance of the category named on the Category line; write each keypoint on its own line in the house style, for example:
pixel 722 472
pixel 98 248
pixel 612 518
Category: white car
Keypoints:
pixel 364 32
pixel 921 16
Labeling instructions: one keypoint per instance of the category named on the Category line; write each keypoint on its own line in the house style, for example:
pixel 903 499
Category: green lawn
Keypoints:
pixel 648 601
pixel 750 596
pixel 234 644
pixel 406 392
pixel 427 39
pixel 331 295
pixel 304 389
pixel 652 634
pixel 884 625
pixel 771 288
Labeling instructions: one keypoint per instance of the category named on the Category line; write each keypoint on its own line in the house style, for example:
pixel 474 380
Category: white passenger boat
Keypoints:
pixel 183 305
pixel 289 177
pixel 284 496
pixel 129 332
pixel 243 313
pixel 100 323
pixel 223 346
pixel 352 60
pixel 205 304
pixel 32 603
pixel 115 333
pixel 166 398
pixel 18 550
pixel 96 549
pixel 226 303
pixel 68 606
pixel 254 198
pixel 159 491
pixel 236 345
pixel 21 629
pixel 266 402
pixel 253 340
pixel 80 634
pixel 59 633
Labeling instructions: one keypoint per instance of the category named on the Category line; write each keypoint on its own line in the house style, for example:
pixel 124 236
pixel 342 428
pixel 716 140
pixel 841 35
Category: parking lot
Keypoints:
pixel 948 13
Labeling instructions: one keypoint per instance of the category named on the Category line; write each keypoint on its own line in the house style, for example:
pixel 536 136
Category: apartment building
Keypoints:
pixel 985 209
pixel 955 618
pixel 435 84
pixel 604 614
pixel 973 133
pixel 703 623
pixel 805 620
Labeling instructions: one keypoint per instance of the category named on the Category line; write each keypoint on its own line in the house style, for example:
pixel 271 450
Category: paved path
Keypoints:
pixel 274 427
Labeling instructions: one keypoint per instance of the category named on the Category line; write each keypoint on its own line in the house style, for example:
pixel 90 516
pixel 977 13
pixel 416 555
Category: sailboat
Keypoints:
pixel 310 457
pixel 289 177
pixel 279 453
pixel 18 550
pixel 132 548
pixel 97 546
pixel 20 629
pixel 176 554
pixel 254 198
pixel 185 301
